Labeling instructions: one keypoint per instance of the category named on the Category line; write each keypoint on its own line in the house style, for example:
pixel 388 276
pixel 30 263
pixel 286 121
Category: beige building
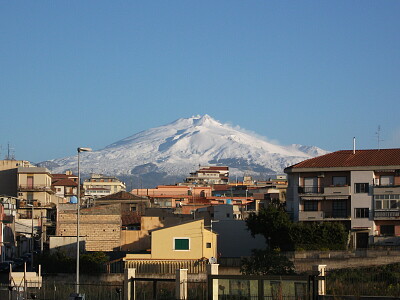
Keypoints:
pixel 100 227
pixel 186 241
pixel 99 185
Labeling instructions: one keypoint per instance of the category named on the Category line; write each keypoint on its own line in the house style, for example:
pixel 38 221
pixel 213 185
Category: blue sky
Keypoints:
pixel 89 73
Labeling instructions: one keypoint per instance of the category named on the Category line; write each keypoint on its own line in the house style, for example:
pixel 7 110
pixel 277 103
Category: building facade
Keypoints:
pixel 359 188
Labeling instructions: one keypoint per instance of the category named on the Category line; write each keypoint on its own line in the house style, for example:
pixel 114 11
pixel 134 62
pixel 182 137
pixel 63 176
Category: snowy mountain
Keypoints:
pixel 178 148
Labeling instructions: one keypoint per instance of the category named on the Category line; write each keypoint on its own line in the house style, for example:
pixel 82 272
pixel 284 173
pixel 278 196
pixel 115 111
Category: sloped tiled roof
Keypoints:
pixel 64 182
pixel 121 196
pixel 346 158
pixel 130 218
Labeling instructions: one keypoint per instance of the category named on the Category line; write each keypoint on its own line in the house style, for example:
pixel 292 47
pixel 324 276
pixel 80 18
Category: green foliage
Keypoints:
pixel 93 262
pixel 373 281
pixel 274 224
pixel 60 262
pixel 267 262
pixel 280 233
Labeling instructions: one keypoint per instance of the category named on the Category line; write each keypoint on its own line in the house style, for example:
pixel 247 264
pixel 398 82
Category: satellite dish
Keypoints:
pixel 212 260
pixel 73 199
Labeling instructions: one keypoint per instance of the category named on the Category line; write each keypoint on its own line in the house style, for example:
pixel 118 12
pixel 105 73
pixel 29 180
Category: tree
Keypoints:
pixel 267 262
pixel 273 223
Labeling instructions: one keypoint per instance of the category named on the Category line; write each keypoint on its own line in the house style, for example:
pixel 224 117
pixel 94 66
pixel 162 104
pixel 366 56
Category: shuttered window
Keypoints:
pixel 181 244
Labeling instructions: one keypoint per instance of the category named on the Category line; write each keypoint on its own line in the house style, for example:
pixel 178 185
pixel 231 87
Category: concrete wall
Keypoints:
pixel 362 200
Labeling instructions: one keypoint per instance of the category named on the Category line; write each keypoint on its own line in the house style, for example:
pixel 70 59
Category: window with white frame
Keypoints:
pixel 181 244
pixel 387 201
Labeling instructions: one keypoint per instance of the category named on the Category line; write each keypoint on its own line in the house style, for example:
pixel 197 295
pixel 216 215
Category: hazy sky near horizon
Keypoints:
pixel 89 73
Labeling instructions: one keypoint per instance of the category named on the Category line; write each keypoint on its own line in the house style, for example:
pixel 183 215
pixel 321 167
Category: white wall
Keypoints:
pixel 362 200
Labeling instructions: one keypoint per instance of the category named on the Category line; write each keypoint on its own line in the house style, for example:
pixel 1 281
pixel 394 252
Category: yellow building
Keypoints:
pixel 186 241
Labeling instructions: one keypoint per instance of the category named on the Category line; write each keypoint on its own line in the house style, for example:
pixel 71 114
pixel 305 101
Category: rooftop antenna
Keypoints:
pixel 354 145
pixel 378 135
pixel 10 153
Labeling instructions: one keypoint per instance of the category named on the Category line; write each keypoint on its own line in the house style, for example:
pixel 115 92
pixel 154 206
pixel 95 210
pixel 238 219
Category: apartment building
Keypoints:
pixel 65 185
pixel 99 185
pixel 359 188
pixel 209 175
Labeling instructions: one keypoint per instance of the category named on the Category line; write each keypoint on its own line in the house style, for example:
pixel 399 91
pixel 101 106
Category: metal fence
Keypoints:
pixel 52 290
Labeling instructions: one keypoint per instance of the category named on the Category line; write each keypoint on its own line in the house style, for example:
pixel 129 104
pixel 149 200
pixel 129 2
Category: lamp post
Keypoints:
pixel 32 240
pixel 77 216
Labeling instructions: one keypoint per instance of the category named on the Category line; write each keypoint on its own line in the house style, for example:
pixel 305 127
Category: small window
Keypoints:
pixel 181 244
pixel 362 187
pixel 361 213
pixel 311 205
pixel 387 230
pixel 228 215
pixel 208 245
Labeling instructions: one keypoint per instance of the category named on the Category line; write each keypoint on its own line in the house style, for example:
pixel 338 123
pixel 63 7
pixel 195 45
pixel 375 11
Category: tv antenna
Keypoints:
pixel 378 135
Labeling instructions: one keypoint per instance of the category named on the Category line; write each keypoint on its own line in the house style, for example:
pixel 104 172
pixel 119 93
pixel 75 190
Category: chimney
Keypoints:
pixel 354 145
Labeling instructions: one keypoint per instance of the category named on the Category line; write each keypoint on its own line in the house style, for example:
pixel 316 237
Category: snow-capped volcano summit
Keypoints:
pixel 179 147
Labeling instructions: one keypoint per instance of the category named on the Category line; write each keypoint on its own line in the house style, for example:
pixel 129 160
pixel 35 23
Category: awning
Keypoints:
pixel 312 198
pixel 337 197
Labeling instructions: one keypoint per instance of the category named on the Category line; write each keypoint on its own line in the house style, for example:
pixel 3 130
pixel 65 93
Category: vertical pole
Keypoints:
pixel 32 241
pixel 321 282
pixel 212 269
pixel 41 232
pixel 129 284
pixel 181 284
pixel 77 226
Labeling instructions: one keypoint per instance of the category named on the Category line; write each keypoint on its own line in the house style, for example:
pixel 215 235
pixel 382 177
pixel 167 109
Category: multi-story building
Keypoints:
pixel 99 185
pixel 65 185
pixel 359 188
pixel 209 175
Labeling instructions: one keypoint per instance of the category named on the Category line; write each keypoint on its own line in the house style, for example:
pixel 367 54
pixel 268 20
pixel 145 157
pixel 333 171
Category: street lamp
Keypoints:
pixel 77 217
pixel 32 241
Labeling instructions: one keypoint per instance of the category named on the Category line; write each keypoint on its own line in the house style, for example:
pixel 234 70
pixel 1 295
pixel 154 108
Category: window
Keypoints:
pixel 387 201
pixel 387 230
pixel 181 244
pixel 208 245
pixel 361 213
pixel 362 187
pixel 339 180
pixel 387 180
pixel 311 205
pixel 339 209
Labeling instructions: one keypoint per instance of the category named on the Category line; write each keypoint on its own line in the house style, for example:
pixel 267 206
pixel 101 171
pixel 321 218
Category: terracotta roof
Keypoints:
pixel 64 182
pixel 130 218
pixel 121 196
pixel 346 158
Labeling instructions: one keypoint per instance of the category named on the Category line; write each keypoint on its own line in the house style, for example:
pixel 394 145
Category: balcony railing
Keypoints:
pixel 34 188
pixel 312 189
pixel 24 203
pixel 323 215
pixel 386 189
pixel 387 214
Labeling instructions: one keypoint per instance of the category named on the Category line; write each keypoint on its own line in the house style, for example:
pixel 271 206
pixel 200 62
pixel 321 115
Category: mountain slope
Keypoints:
pixel 178 148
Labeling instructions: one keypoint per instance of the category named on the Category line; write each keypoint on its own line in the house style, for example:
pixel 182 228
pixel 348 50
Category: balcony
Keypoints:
pixel 386 214
pixel 323 215
pixel 342 190
pixel 24 203
pixel 34 188
pixel 311 215
pixel 309 190
pixel 386 189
